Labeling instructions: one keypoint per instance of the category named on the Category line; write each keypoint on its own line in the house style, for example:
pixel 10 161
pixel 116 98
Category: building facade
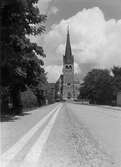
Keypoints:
pixel 119 99
pixel 51 93
pixel 68 71
pixel 59 88
pixel 67 86
pixel 76 89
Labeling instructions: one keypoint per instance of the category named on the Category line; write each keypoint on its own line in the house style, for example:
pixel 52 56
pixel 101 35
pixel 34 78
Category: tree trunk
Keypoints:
pixel 16 100
pixel 4 105
pixel 39 99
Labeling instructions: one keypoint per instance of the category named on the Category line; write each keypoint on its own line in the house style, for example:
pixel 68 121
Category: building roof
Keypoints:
pixel 68 57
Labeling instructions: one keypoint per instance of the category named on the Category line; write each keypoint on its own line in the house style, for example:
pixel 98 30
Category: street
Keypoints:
pixel 63 135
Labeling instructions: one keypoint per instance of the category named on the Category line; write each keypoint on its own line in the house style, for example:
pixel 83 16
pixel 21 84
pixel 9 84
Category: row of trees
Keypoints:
pixel 21 65
pixel 101 86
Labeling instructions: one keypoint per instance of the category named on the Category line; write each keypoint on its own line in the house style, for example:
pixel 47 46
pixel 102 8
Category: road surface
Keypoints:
pixel 63 135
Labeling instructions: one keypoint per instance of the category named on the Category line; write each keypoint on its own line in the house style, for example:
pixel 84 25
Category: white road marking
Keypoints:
pixel 16 148
pixel 32 158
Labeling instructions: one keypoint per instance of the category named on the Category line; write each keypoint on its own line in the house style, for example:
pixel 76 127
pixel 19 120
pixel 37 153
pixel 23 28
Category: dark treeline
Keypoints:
pixel 21 66
pixel 100 86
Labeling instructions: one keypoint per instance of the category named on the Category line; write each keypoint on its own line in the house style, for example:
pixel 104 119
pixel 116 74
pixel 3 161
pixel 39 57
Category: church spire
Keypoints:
pixel 68 58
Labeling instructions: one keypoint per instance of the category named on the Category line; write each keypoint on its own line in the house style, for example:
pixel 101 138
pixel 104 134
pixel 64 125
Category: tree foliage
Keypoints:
pixel 100 86
pixel 97 87
pixel 116 79
pixel 21 63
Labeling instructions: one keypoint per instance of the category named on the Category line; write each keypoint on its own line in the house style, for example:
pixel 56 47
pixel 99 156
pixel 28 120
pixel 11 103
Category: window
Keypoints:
pixel 68 66
pixel 68 84
pixel 69 95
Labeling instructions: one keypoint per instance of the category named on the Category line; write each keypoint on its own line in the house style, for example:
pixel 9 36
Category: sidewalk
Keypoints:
pixel 112 107
pixel 104 106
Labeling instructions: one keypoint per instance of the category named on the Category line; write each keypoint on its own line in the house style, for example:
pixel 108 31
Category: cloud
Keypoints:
pixel 95 41
pixel 53 10
pixel 53 72
pixel 43 5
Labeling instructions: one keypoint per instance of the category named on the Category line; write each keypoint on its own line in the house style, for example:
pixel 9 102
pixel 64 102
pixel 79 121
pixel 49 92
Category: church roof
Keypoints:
pixel 68 58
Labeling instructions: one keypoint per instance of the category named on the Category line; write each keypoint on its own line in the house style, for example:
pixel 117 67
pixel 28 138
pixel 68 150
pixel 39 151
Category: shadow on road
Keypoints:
pixel 12 118
pixel 8 118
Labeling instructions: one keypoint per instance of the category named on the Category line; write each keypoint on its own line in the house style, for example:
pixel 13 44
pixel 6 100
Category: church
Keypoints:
pixel 66 86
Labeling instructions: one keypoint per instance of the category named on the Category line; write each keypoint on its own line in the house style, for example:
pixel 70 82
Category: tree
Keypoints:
pixel 116 79
pixel 20 60
pixel 97 87
pixel 40 87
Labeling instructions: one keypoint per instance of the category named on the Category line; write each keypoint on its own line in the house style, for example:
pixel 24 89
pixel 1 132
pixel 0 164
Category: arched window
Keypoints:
pixel 68 84
pixel 68 66
pixel 69 95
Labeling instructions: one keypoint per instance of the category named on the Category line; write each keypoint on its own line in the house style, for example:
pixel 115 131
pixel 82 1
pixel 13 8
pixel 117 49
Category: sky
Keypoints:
pixel 95 33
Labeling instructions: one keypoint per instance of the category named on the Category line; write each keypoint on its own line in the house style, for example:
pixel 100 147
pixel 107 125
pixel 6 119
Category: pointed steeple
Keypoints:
pixel 68 58
pixel 68 45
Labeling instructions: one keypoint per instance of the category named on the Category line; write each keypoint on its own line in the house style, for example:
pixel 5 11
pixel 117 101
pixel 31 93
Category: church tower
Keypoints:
pixel 68 71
